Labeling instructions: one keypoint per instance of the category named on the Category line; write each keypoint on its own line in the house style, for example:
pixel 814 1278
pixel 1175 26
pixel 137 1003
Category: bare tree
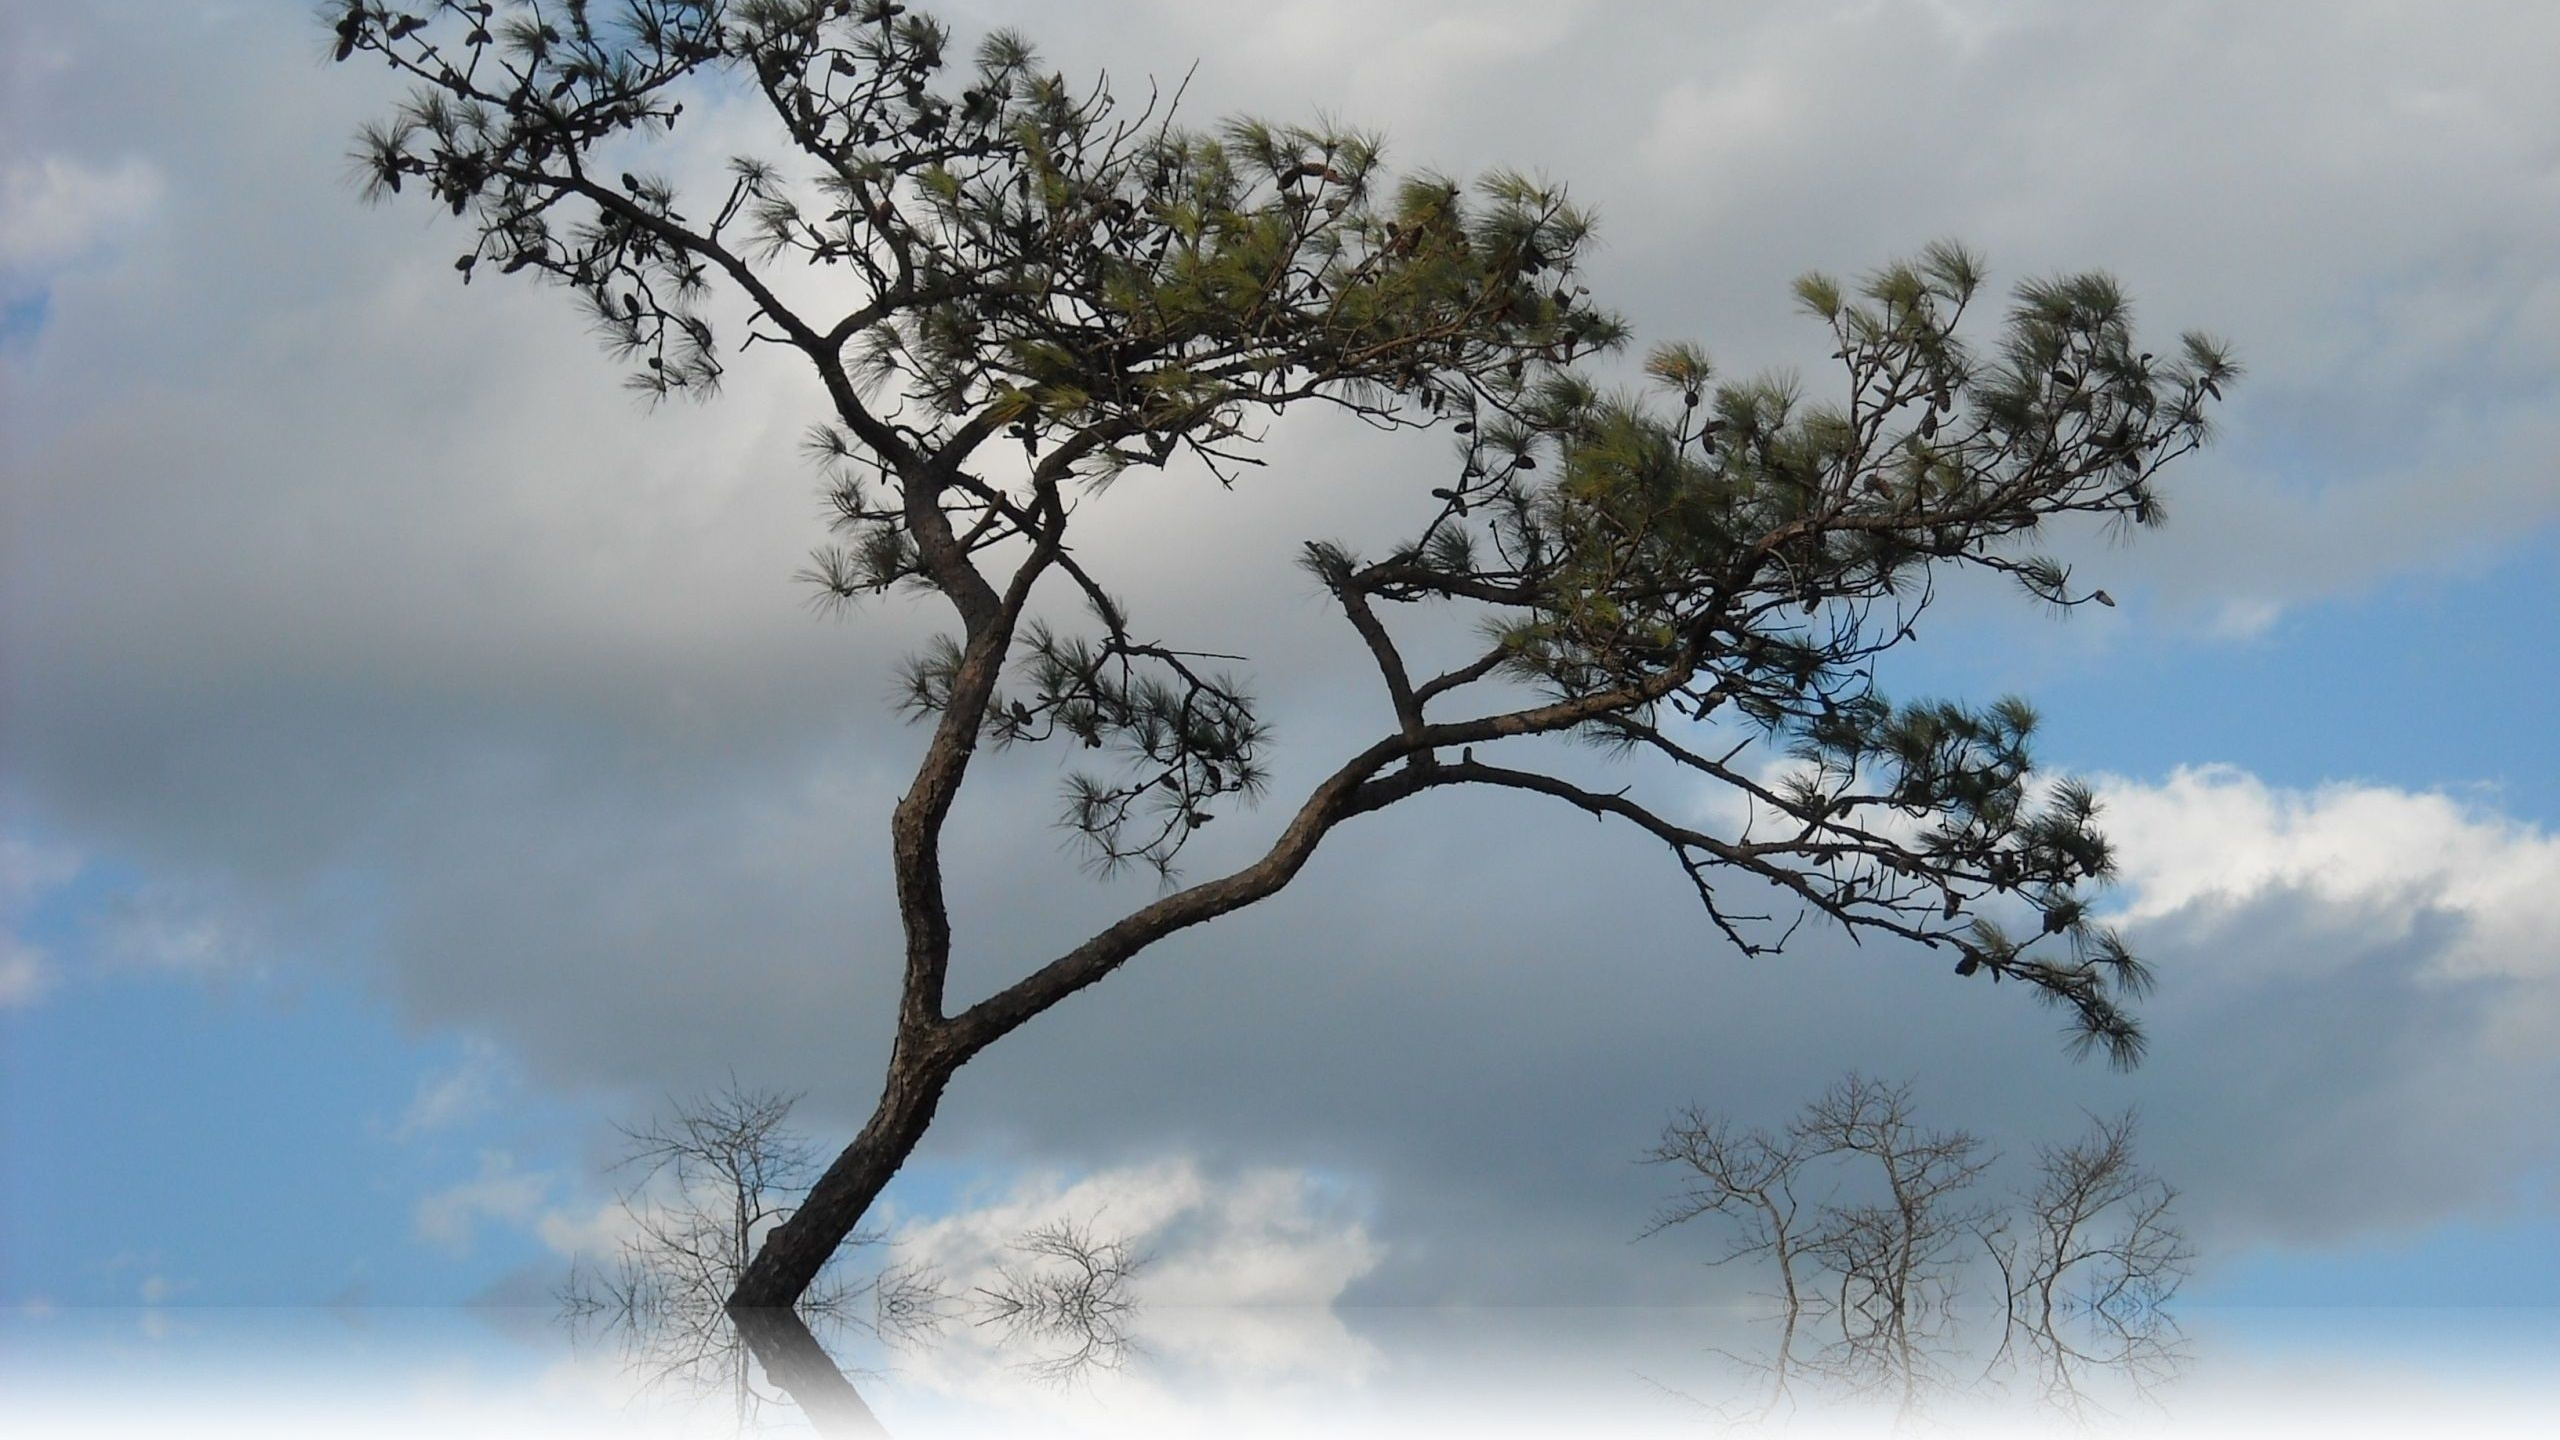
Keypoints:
pixel 977 260
pixel 729 1167
pixel 2096 1216
pixel 1892 1256
pixel 704 1179
pixel 2088 1253
pixel 712 1171
pixel 910 1302
pixel 1070 1285
pixel 1748 1176
pixel 1885 1258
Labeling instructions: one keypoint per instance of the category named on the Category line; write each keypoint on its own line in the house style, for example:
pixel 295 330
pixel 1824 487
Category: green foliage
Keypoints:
pixel 1739 554
pixel 1010 260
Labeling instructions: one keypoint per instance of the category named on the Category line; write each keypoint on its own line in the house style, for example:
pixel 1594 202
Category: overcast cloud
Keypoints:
pixel 365 620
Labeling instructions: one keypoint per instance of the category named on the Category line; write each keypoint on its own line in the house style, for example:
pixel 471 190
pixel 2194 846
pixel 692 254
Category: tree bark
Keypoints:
pixel 797 1249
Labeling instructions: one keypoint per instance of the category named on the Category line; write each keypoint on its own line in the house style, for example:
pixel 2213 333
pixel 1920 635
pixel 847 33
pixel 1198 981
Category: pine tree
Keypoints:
pixel 1048 288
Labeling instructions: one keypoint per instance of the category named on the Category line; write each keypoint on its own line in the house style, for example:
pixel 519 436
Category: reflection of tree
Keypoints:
pixel 1770 1394
pixel 706 1178
pixel 1748 1176
pixel 681 1349
pixel 2076 1354
pixel 802 1369
pixel 2097 1218
pixel 716 1170
pixel 2087 1257
pixel 1891 1258
pixel 909 1304
pixel 2083 1365
pixel 1886 1258
pixel 1071 1295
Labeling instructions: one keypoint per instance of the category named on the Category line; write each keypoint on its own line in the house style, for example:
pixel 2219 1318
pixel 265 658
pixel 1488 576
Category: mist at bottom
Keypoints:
pixel 1275 1371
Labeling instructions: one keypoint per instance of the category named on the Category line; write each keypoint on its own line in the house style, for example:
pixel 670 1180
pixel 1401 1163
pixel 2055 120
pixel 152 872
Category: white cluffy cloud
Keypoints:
pixel 2213 838
pixel 1237 1279
pixel 180 930
pixel 2358 1025
pixel 1266 1237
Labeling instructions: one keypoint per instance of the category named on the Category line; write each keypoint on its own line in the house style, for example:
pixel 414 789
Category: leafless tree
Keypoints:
pixel 1885 1258
pixel 2087 1254
pixel 713 1170
pixel 2102 1256
pixel 1070 1286
pixel 2097 1219
pixel 1748 1176
pixel 728 1167
pixel 910 1303
pixel 704 1178
pixel 1892 1256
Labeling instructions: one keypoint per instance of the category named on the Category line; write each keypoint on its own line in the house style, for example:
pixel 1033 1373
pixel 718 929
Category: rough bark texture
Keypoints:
pixel 798 1248
pixel 930 1048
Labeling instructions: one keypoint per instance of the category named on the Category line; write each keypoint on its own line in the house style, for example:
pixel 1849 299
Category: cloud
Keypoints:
pixel 158 1289
pixel 55 210
pixel 2242 618
pixel 2214 839
pixel 2398 409
pixel 149 1275
pixel 28 869
pixel 465 1091
pixel 450 1218
pixel 2370 989
pixel 27 873
pixel 24 976
pixel 58 216
pixel 1263 1237
pixel 1431 50
pixel 178 929
pixel 596 1232
pixel 1238 1278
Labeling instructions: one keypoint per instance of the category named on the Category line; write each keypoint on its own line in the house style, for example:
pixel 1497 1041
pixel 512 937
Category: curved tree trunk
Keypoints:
pixel 797 1249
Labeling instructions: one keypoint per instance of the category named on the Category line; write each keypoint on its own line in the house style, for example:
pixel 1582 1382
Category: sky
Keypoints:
pixel 416 758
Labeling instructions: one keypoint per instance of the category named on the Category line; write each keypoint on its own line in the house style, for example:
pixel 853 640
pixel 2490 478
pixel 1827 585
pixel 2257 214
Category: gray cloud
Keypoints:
pixel 369 606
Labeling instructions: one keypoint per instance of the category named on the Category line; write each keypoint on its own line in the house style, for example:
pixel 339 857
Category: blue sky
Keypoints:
pixel 2417 681
pixel 413 759
pixel 261 1138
